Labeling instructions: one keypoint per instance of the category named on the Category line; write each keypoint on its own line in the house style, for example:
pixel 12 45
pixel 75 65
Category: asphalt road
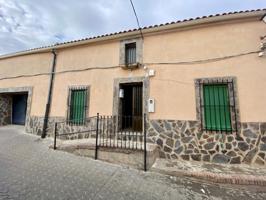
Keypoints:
pixel 30 170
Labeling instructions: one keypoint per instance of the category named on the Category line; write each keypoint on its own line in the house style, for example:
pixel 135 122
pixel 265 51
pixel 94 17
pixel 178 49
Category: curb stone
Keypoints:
pixel 217 178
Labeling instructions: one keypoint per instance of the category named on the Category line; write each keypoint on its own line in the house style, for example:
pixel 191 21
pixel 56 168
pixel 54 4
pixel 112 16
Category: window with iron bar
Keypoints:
pixel 77 106
pixel 130 53
pixel 216 108
pixel 218 112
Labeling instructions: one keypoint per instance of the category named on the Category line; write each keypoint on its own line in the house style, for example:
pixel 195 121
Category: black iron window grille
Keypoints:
pixel 77 105
pixel 130 53
pixel 218 111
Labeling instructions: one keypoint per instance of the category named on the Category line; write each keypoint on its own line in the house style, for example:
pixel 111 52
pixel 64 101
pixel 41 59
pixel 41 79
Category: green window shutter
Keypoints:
pixel 216 108
pixel 78 106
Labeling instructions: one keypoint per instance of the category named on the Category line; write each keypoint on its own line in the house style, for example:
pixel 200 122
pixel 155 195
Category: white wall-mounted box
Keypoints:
pixel 151 105
pixel 151 72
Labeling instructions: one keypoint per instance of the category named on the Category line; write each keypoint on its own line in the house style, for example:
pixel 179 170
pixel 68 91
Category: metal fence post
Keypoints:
pixel 55 134
pixel 145 145
pixel 97 132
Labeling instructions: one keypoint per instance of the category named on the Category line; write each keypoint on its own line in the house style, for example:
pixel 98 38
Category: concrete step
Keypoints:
pixel 133 156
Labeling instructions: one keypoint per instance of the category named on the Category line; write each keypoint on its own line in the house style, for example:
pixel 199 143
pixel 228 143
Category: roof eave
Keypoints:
pixel 257 15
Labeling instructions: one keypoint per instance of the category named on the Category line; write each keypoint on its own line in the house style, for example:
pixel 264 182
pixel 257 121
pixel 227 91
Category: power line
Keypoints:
pixel 135 13
pixel 59 72
pixel 204 60
pixel 174 81
pixel 156 63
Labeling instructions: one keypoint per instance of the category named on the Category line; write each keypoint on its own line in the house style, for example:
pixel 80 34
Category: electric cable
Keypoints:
pixel 155 63
pixel 135 13
pixel 174 81
pixel 204 60
pixel 59 72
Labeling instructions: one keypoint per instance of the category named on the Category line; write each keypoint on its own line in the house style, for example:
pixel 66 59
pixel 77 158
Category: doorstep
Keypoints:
pixel 218 173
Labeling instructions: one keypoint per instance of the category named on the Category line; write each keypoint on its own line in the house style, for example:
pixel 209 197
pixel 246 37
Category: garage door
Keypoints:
pixel 19 108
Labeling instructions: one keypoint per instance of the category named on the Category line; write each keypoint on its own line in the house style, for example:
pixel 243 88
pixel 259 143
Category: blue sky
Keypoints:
pixel 27 24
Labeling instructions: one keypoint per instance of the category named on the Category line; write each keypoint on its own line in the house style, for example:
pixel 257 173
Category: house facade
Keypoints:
pixel 201 83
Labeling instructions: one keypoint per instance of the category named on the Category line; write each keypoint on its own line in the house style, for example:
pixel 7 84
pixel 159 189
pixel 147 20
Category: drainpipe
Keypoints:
pixel 50 90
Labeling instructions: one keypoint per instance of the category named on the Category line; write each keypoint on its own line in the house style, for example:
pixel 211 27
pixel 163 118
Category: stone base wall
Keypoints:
pixel 5 109
pixel 184 140
pixel 35 126
pixel 181 139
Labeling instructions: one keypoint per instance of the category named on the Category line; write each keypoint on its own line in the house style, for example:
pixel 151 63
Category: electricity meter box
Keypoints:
pixel 151 105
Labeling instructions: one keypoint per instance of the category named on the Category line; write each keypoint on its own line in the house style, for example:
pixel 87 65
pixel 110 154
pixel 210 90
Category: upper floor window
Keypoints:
pixel 130 53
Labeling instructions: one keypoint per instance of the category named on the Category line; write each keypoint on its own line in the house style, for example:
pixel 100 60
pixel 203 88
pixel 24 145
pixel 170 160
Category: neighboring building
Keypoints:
pixel 200 81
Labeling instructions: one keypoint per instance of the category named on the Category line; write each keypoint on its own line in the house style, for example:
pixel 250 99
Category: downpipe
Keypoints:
pixel 50 91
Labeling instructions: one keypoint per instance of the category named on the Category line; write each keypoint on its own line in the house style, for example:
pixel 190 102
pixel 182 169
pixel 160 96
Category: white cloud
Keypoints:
pixel 29 23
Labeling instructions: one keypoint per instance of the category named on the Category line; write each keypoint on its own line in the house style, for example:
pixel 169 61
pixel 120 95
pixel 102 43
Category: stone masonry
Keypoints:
pixel 179 139
pixel 184 140
pixel 72 131
pixel 35 126
pixel 5 109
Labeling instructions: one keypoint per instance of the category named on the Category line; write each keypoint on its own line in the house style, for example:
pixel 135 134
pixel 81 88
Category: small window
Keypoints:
pixel 216 104
pixel 130 53
pixel 77 106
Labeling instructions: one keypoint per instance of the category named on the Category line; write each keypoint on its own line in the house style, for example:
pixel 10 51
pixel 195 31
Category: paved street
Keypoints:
pixel 29 170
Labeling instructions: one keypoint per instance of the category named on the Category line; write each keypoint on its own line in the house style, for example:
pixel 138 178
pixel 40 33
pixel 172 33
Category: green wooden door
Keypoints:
pixel 217 108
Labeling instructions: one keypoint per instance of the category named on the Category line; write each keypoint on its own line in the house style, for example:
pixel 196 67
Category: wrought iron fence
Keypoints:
pixel 120 132
pixel 67 129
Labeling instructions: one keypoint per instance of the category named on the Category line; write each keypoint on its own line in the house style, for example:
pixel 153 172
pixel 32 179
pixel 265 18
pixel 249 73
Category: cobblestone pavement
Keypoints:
pixel 30 170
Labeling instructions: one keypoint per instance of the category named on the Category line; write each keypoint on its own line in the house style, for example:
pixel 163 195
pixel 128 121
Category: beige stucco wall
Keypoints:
pixel 178 99
pixel 100 80
pixel 177 81
pixel 172 87
pixel 28 65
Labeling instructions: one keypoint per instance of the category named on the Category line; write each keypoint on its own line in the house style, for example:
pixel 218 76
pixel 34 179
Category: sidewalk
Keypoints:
pixel 218 173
